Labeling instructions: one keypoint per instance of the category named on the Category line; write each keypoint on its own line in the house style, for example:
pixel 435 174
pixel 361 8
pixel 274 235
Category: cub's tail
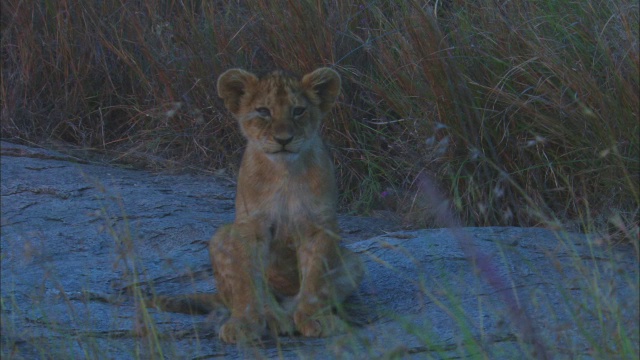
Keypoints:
pixel 195 304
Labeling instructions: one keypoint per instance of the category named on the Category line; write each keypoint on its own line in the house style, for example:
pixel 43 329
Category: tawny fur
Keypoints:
pixel 279 265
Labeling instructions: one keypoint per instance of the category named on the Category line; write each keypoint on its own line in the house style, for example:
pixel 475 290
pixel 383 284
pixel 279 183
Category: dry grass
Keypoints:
pixel 527 112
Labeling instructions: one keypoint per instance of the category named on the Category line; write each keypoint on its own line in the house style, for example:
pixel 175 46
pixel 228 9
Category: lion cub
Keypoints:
pixel 279 264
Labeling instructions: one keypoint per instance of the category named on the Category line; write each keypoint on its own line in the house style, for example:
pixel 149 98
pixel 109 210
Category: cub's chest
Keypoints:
pixel 286 214
pixel 287 193
pixel 292 202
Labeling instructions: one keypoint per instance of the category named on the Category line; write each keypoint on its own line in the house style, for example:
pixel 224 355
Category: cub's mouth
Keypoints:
pixel 281 149
pixel 284 152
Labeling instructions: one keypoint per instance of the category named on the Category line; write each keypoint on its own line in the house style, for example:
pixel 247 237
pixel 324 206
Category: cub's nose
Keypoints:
pixel 284 141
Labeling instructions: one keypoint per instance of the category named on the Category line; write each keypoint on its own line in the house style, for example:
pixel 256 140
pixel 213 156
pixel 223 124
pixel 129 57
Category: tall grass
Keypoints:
pixel 527 112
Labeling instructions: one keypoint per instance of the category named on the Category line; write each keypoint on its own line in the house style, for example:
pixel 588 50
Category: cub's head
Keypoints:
pixel 279 114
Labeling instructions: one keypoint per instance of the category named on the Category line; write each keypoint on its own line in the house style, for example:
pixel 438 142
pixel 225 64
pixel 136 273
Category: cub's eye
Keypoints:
pixel 298 110
pixel 263 111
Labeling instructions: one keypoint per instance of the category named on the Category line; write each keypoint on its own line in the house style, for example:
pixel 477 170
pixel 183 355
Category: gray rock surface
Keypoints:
pixel 81 242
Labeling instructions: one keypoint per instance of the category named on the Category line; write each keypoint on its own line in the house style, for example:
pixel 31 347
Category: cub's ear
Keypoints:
pixel 324 84
pixel 232 84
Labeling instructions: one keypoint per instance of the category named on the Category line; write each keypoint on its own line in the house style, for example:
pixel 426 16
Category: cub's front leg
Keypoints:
pixel 328 275
pixel 238 259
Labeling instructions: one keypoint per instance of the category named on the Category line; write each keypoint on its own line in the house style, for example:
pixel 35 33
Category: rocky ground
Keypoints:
pixel 81 241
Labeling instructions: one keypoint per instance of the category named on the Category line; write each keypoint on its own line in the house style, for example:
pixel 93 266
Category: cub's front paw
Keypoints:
pixel 319 325
pixel 280 323
pixel 237 330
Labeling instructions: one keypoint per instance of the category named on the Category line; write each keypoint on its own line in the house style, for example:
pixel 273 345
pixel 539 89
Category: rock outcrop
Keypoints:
pixel 81 242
